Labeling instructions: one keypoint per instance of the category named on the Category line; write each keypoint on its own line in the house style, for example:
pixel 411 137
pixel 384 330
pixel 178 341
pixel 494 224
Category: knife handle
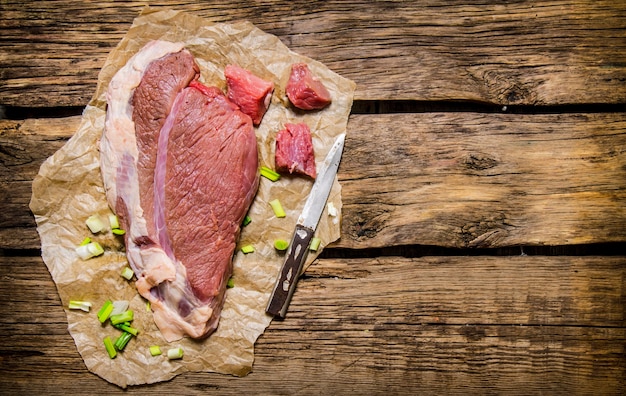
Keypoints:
pixel 289 273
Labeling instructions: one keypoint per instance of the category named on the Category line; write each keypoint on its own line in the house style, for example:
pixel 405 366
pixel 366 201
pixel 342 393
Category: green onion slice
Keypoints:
pixel 122 340
pixel 85 241
pixel 269 174
pixel 281 244
pixel 114 221
pixel 175 353
pixel 108 345
pixel 126 316
pixel 246 220
pixel 277 207
pixel 127 273
pixel 118 231
pixel 91 249
pixel 82 305
pixel 155 350
pixel 127 328
pixel 95 224
pixel 105 311
pixel 119 306
pixel 315 244
pixel 247 249
pixel 230 284
pixel 332 210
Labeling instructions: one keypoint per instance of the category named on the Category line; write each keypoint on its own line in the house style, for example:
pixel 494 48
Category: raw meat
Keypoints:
pixel 179 163
pixel 305 91
pixel 251 93
pixel 294 150
pixel 152 101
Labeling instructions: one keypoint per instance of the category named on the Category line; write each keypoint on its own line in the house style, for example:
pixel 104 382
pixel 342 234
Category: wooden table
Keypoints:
pixel 484 189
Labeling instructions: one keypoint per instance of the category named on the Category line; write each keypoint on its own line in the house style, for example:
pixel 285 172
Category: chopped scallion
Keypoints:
pixel 155 350
pixel 281 244
pixel 105 311
pixel 108 344
pixel 230 284
pixel 332 210
pixel 315 244
pixel 277 207
pixel 85 241
pixel 247 249
pixel 113 220
pixel 122 340
pixel 91 249
pixel 148 306
pixel 119 306
pixel 82 305
pixel 118 231
pixel 269 174
pixel 95 224
pixel 127 273
pixel 246 220
pixel 126 316
pixel 127 328
pixel 175 353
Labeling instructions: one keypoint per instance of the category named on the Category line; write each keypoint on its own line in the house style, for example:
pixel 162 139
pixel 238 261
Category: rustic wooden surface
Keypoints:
pixel 523 53
pixel 482 247
pixel 385 326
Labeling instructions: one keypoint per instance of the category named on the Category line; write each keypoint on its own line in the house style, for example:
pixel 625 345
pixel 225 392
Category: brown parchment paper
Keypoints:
pixel 69 188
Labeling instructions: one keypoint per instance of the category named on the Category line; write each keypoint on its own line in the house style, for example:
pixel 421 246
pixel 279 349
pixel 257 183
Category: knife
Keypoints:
pixel 305 228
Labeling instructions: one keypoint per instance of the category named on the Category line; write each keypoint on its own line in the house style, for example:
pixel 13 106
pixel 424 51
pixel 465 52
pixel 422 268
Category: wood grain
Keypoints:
pixel 483 180
pixel 386 325
pixel 445 179
pixel 523 52
pixel 24 146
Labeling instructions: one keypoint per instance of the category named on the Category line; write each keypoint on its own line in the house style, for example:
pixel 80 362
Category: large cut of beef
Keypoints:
pixel 180 168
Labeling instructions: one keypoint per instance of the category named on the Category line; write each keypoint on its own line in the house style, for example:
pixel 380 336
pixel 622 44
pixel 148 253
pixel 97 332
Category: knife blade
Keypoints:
pixel 305 229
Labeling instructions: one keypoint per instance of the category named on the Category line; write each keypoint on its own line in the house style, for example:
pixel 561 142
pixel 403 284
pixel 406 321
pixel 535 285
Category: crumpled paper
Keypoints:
pixel 69 188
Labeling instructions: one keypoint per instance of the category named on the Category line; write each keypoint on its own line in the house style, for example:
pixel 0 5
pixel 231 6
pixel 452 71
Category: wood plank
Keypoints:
pixel 555 52
pixel 443 179
pixel 484 180
pixel 24 146
pixel 385 325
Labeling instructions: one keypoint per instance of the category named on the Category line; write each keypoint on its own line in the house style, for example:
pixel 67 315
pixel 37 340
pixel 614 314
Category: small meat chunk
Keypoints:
pixel 251 93
pixel 294 150
pixel 306 91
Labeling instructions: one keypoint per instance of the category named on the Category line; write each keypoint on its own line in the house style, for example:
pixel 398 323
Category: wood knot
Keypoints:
pixel 480 162
pixel 473 333
pixel 366 225
pixel 515 92
pixel 485 232
pixel 500 86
